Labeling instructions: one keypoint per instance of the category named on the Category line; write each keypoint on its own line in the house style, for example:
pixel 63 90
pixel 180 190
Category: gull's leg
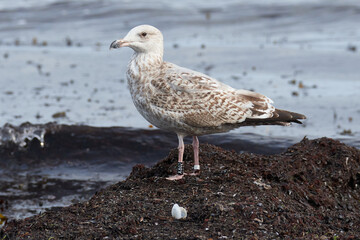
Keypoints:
pixel 196 156
pixel 180 167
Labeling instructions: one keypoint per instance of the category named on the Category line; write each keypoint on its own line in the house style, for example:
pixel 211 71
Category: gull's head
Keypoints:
pixel 142 39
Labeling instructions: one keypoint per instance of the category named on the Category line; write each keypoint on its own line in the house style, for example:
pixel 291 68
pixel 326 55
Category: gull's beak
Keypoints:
pixel 119 43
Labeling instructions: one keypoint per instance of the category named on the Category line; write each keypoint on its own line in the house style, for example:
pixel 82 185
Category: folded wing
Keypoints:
pixel 201 101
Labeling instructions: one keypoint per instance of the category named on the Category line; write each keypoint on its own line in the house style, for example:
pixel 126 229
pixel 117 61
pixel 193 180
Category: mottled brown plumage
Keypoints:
pixel 188 102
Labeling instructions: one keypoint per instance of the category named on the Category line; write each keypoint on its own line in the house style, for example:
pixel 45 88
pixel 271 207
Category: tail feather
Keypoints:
pixel 286 116
pixel 280 117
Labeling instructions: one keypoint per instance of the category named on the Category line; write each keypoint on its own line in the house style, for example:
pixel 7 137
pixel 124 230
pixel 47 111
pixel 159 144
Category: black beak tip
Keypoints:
pixel 114 45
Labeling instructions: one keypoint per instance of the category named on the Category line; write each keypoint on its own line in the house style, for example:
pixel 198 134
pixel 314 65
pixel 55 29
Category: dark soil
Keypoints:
pixel 311 191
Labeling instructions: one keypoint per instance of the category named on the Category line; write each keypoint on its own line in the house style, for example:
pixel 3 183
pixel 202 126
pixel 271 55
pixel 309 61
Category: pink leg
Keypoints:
pixel 180 168
pixel 196 155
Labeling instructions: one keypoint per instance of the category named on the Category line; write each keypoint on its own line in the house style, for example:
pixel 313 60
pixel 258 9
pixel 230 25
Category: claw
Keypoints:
pixel 175 177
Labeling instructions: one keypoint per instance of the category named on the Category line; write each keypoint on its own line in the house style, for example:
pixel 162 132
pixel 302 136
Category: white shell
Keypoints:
pixel 178 212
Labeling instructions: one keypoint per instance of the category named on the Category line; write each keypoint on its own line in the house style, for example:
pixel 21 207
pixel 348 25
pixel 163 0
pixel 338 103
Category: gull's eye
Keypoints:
pixel 143 34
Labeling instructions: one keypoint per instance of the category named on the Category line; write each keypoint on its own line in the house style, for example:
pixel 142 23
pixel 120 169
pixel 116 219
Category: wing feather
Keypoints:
pixel 201 101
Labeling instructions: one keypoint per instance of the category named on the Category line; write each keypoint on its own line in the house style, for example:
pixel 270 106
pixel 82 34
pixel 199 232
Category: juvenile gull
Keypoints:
pixel 186 102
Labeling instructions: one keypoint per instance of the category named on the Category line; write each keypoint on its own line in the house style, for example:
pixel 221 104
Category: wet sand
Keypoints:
pixel 56 64
pixel 309 191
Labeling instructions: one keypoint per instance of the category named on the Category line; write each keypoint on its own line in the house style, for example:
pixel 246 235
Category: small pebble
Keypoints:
pixel 34 41
pixel 68 42
pixel 352 48
pixel 59 115
pixel 295 94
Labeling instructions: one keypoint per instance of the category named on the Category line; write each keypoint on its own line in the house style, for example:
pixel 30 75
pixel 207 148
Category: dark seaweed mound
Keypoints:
pixel 311 191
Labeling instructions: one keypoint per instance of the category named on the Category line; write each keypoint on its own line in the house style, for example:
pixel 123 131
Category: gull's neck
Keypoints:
pixel 146 58
pixel 142 64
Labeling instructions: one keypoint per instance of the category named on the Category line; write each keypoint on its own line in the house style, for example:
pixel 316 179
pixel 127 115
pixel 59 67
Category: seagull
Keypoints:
pixel 187 102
